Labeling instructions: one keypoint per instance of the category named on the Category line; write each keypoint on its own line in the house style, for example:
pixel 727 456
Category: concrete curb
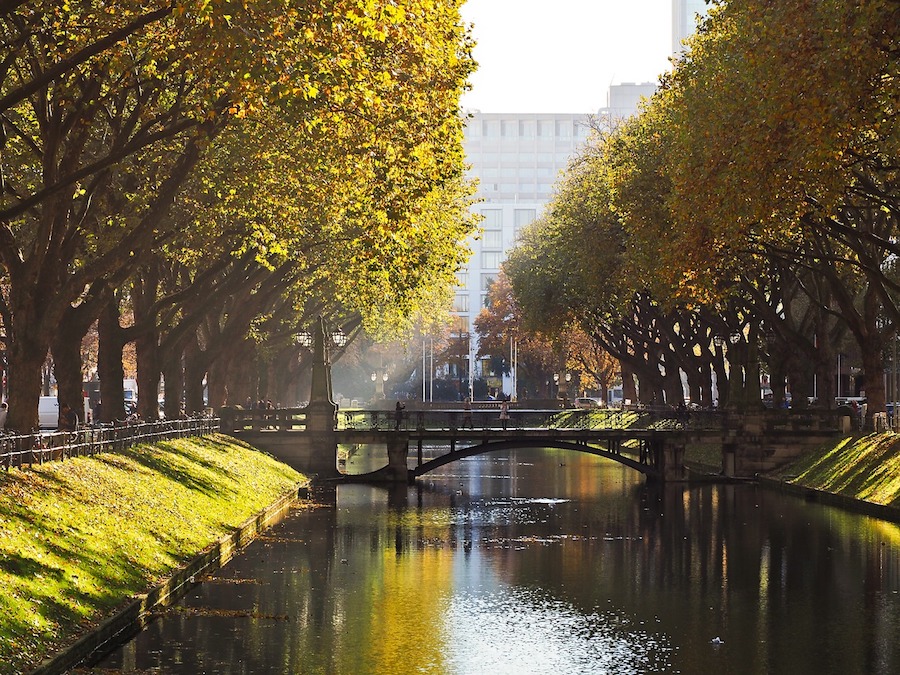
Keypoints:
pixel 132 618
pixel 850 503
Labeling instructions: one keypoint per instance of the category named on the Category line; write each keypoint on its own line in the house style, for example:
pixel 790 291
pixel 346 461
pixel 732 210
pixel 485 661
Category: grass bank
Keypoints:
pixel 79 538
pixel 864 467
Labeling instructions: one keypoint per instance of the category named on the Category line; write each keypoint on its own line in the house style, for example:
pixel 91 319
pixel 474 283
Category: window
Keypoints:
pixel 523 217
pixel 510 129
pixel 461 302
pixel 487 280
pixel 545 128
pixel 493 219
pixel 459 324
pixel 492 239
pixel 526 128
pixel 462 279
pixel 490 259
pixel 492 129
pixel 564 129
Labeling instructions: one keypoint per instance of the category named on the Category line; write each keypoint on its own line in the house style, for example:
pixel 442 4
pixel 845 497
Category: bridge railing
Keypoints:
pixel 442 420
pixel 525 418
pixel 661 418
pixel 263 419
pixel 17 450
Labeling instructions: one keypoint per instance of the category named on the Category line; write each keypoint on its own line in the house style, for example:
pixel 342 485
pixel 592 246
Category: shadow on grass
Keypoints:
pixel 162 460
pixel 21 566
pixel 856 467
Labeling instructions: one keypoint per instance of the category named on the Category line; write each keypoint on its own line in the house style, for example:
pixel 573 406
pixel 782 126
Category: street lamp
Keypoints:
pixel 339 338
pixel 379 383
pixel 303 338
pixel 734 338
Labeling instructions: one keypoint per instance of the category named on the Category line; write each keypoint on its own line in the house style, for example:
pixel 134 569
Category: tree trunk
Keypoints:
pixel 144 292
pixel 173 374
pixel 23 381
pixel 111 340
pixel 217 388
pixel 629 389
pixel 66 350
pixel 194 372
pixel 239 376
pixel 873 376
pixel 147 353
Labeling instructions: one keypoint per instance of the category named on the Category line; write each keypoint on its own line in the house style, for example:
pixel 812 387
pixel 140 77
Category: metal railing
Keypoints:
pixel 260 419
pixel 487 417
pixel 520 418
pixel 18 450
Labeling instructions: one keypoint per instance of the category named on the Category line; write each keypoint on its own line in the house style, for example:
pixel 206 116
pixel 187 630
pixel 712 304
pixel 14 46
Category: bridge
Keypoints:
pixel 651 441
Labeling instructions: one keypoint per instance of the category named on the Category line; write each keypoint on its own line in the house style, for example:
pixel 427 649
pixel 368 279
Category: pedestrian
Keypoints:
pixel 4 410
pixel 504 412
pixel 467 412
pixel 68 419
pixel 398 415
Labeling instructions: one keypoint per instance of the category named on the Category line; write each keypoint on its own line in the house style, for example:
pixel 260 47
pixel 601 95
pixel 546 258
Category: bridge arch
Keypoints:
pixel 514 444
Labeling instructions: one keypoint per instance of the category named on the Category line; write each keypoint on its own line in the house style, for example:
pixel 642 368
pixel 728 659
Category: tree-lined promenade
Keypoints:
pixel 744 225
pixel 203 178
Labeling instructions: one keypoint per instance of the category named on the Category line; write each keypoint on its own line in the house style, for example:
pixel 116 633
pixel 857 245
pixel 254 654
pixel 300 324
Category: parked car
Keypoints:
pixel 48 412
pixel 587 402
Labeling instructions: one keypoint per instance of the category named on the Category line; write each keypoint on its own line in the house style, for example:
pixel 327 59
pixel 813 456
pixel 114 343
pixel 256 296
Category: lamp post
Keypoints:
pixel 379 384
pixel 564 389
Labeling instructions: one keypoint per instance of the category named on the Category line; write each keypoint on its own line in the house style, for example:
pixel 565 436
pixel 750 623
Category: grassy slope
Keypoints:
pixel 864 467
pixel 77 538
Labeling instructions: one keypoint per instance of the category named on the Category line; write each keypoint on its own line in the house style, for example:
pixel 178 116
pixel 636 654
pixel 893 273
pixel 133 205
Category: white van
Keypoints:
pixel 48 412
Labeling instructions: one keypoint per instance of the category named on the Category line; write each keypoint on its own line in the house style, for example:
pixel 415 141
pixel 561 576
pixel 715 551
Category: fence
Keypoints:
pixel 526 418
pixel 37 447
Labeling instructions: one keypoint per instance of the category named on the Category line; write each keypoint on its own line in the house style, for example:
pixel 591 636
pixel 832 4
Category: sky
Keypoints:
pixel 560 56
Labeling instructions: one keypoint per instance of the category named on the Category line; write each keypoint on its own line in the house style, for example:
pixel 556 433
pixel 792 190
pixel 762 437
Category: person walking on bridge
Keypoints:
pixel 467 412
pixel 398 415
pixel 504 412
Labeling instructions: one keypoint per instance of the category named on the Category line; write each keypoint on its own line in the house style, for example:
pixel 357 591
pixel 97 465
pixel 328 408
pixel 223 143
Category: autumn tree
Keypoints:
pixel 102 133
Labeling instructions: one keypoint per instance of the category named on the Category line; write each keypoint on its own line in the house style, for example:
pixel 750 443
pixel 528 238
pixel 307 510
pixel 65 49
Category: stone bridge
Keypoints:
pixel 651 441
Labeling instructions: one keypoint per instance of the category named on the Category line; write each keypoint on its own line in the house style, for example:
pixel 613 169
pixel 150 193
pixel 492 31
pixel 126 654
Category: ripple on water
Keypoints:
pixel 518 631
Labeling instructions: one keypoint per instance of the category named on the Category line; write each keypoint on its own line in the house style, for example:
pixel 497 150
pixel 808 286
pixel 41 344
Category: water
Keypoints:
pixel 544 562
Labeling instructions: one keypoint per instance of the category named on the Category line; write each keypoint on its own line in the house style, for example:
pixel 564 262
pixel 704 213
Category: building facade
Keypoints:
pixel 516 159
pixel 684 20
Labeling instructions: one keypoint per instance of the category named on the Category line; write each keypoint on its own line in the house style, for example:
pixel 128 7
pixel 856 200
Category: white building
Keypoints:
pixel 516 158
pixel 684 20
pixel 623 100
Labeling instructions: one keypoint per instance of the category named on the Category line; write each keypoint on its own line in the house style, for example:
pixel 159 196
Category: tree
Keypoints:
pixel 101 134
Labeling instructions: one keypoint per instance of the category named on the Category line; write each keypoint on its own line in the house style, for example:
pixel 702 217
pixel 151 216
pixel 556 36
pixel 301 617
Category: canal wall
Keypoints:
pixel 131 619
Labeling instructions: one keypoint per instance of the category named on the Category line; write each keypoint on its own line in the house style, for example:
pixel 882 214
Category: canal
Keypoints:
pixel 544 561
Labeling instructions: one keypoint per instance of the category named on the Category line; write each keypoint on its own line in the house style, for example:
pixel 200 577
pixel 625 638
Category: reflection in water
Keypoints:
pixel 511 629
pixel 543 561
